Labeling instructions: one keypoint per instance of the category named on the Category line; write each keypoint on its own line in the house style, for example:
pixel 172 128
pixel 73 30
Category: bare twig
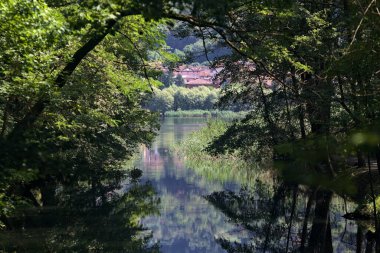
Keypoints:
pixel 360 23
pixel 205 46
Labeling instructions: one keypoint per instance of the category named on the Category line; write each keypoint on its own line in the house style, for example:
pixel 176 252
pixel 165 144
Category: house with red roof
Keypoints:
pixel 195 76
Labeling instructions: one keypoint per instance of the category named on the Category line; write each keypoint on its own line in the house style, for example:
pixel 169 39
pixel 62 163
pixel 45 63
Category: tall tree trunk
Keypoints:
pixel 294 203
pixel 278 196
pixel 360 157
pixel 288 116
pixel 300 106
pixel 319 106
pixel 369 248
pixel 359 239
pixel 378 157
pixel 309 204
pixel 373 196
pixel 267 117
pixel 301 119
pixel 320 240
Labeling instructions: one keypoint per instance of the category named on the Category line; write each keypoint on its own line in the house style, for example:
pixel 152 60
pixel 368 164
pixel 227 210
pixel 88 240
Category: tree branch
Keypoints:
pixel 141 58
pixel 31 117
pixel 360 23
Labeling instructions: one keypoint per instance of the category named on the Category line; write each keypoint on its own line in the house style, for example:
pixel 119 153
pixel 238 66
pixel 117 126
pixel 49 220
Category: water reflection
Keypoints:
pixel 292 219
pixel 100 214
pixel 203 214
pixel 174 209
pixel 187 221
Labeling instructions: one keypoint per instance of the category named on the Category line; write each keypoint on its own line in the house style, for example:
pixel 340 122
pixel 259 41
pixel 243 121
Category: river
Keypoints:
pixel 175 209
pixel 189 222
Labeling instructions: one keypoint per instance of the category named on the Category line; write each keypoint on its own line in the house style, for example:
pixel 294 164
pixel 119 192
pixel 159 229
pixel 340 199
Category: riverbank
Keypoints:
pixel 229 167
pixel 205 113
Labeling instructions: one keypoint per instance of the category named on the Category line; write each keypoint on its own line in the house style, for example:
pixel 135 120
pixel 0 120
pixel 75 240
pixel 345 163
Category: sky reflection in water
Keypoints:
pixel 188 222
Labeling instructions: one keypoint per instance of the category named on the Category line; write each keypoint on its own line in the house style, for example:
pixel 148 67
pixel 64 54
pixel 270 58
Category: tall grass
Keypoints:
pixel 229 167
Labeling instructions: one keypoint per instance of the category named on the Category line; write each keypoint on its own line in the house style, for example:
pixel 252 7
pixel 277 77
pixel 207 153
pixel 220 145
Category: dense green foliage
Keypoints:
pixel 322 106
pixel 71 114
pixel 179 98
pixel 317 88
pixel 75 74
pixel 310 71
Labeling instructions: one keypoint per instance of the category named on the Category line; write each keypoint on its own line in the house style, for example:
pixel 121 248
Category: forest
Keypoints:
pixel 81 96
pixel 179 98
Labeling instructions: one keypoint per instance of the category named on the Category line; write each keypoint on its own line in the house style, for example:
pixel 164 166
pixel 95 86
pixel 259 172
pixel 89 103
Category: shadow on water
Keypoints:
pixel 84 222
pixel 109 225
pixel 173 208
pixel 92 204
pixel 289 217
pixel 198 212
pixel 292 219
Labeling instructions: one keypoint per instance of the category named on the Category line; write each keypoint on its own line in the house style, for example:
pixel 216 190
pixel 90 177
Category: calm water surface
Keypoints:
pixel 188 222
pixel 196 213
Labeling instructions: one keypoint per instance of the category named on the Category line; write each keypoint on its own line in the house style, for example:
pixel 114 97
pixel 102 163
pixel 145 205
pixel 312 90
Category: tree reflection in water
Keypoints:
pixel 290 218
pixel 110 224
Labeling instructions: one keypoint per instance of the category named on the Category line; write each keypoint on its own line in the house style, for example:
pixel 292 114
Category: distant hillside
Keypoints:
pixel 199 54
pixel 180 43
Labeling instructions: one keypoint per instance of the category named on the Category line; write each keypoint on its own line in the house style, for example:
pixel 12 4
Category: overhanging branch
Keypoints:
pixel 36 110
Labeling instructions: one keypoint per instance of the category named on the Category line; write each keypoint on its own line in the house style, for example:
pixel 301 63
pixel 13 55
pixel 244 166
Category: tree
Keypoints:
pixel 72 114
pixel 161 101
pixel 306 63
pixel 326 100
pixel 179 81
pixel 167 78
